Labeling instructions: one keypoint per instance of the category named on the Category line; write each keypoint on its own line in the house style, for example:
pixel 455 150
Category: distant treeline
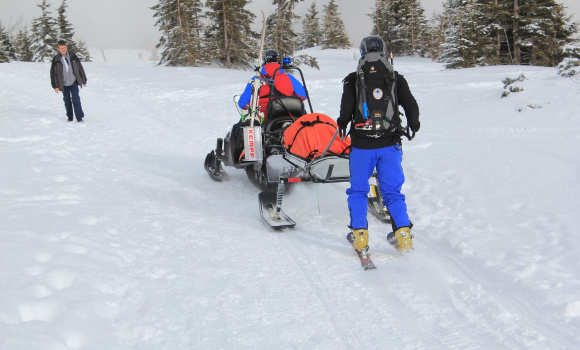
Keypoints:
pixel 39 43
pixel 466 33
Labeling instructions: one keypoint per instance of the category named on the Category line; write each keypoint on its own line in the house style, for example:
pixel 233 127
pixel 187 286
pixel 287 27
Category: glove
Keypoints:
pixel 341 128
pixel 415 127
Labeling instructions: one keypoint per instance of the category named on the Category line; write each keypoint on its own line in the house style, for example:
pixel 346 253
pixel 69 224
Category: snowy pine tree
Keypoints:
pixel 454 22
pixel 280 34
pixel 570 66
pixel 380 18
pixel 3 56
pixel 543 30
pixel 433 36
pixel 505 31
pixel 83 52
pixel 230 38
pixel 404 20
pixel 22 44
pixel 496 17
pixel 180 22
pixel 479 28
pixel 334 34
pixel 165 12
pixel 477 36
pixel 468 40
pixel 7 51
pixel 312 33
pixel 65 30
pixel 416 27
pixel 44 35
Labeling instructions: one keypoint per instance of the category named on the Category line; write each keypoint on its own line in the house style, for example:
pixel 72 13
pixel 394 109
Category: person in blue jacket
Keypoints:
pixel 283 85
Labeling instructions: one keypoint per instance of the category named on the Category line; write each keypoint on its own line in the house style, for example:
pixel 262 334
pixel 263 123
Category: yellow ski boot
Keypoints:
pixel 402 239
pixel 359 239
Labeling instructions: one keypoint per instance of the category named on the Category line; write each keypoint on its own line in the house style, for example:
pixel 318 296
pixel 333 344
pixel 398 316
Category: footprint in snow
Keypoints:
pixel 60 278
pixel 60 178
pixel 573 309
pixel 90 220
pixel 36 311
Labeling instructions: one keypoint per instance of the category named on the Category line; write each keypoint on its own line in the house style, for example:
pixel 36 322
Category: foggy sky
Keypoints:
pixel 130 23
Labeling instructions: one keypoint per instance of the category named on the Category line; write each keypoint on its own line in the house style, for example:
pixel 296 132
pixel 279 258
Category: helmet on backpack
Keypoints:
pixel 270 56
pixel 371 43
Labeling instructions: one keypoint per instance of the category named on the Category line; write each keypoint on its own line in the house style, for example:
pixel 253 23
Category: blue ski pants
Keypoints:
pixel 72 101
pixel 390 177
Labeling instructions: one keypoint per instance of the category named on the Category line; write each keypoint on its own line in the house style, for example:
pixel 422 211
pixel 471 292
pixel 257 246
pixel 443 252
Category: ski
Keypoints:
pixel 365 258
pixel 366 262
pixel 271 212
pixel 257 82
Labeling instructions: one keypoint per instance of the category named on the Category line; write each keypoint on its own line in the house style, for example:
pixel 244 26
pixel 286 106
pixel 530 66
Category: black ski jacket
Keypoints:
pixel 57 75
pixel 348 105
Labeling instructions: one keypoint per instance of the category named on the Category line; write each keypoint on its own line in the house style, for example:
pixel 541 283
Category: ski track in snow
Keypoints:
pixel 115 238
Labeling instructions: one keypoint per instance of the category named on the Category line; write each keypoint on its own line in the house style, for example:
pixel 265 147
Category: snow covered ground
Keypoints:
pixel 113 236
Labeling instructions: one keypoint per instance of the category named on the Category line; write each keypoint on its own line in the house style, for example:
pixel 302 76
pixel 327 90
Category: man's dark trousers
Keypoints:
pixel 72 100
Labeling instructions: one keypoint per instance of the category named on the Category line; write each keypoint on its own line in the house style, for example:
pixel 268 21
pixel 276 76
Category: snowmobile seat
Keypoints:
pixel 285 106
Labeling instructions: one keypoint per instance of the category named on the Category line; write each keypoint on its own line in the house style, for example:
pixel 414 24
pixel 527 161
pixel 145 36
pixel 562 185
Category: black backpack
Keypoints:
pixel 377 112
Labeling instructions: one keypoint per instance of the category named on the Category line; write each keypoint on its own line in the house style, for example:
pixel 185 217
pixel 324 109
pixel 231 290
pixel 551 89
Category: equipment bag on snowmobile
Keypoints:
pixel 377 112
pixel 311 134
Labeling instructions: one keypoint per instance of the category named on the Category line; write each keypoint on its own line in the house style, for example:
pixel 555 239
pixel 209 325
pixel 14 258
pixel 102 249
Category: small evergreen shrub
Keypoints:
pixel 509 88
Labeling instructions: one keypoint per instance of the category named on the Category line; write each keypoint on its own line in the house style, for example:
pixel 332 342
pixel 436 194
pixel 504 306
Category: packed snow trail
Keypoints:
pixel 114 237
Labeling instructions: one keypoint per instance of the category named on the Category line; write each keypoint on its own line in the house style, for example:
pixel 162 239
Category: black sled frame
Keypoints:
pixel 326 168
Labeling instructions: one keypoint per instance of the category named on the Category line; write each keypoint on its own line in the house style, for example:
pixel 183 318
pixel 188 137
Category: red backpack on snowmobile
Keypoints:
pixel 311 134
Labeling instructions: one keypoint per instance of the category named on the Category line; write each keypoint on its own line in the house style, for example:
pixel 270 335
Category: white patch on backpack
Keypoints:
pixel 377 94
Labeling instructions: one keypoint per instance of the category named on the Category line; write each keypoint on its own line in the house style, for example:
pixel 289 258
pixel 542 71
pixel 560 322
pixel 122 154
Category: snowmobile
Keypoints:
pixel 264 155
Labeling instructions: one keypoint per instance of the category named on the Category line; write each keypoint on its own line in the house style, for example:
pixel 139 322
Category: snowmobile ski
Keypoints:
pixel 375 202
pixel 365 258
pixel 272 213
pixel 214 168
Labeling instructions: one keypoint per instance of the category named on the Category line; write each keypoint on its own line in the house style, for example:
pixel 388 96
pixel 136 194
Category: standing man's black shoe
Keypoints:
pixel 80 120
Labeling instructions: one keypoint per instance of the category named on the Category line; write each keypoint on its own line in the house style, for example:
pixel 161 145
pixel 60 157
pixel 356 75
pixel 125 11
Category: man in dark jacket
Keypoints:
pixel 372 150
pixel 66 74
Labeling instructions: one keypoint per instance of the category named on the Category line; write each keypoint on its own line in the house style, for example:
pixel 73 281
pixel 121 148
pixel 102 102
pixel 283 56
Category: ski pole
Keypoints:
pixel 390 47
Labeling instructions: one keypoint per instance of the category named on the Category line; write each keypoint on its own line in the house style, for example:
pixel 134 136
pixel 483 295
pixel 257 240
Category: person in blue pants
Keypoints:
pixel 375 151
